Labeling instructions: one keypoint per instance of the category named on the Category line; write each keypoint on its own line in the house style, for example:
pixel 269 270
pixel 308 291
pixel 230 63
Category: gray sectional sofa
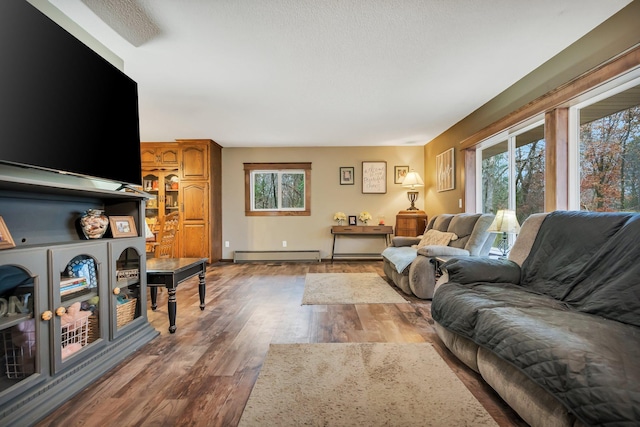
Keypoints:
pixel 554 329
pixel 413 269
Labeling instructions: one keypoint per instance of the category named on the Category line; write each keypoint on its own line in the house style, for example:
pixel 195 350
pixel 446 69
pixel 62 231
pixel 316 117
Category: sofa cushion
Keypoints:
pixel 473 269
pixel 462 225
pixel 608 286
pixel 553 264
pixel 587 362
pixel 441 222
pixel 401 257
pixel 438 250
pixel 435 237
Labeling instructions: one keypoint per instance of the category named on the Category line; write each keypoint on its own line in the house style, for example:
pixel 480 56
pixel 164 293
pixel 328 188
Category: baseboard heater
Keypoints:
pixel 281 256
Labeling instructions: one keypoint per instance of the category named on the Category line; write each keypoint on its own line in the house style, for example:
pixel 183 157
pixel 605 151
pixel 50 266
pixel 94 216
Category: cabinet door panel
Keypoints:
pixel 195 201
pixel 147 156
pixel 24 332
pixel 76 330
pixel 168 157
pixel 195 162
pixel 195 242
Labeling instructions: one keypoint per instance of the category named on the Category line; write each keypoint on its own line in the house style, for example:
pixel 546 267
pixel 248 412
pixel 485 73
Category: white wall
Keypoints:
pixel 327 197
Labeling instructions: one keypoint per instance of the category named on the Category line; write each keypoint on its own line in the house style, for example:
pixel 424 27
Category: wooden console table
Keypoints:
pixel 170 272
pixel 385 231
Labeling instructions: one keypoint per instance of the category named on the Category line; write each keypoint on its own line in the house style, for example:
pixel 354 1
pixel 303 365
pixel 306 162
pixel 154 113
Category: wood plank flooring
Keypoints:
pixel 203 374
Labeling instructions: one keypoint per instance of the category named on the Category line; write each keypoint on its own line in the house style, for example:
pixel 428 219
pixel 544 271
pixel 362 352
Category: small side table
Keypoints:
pixel 410 223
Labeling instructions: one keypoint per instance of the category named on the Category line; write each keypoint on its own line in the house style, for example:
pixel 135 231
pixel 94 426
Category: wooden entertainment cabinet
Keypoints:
pixel 186 176
pixel 51 351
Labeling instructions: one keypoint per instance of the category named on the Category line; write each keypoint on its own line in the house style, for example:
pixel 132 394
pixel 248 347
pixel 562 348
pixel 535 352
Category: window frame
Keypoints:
pixel 612 88
pixel 249 168
pixel 509 136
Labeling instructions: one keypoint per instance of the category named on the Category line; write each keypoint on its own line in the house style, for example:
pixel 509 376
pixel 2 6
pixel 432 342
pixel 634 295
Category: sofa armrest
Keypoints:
pixel 438 250
pixel 474 269
pixel 404 241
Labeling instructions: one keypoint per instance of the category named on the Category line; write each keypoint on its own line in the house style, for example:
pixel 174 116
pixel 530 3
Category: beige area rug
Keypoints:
pixel 360 384
pixel 348 288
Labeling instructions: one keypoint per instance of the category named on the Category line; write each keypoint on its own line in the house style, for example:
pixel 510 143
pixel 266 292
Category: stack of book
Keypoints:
pixel 71 285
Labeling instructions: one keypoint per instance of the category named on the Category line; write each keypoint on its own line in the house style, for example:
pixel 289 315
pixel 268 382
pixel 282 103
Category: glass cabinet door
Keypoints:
pixel 164 190
pixel 171 192
pixel 127 296
pixel 24 321
pixel 78 291
pixel 151 184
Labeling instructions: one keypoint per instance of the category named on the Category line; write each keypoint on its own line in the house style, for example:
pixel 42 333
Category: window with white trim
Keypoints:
pixel 511 171
pixel 605 149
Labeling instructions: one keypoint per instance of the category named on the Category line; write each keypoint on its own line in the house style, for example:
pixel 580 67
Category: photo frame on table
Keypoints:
pixel 445 170
pixel 6 241
pixel 353 220
pixel 347 175
pixel 122 226
pixel 399 172
pixel 374 177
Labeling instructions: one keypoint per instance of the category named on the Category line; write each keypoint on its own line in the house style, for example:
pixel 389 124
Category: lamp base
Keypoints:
pixel 503 245
pixel 413 196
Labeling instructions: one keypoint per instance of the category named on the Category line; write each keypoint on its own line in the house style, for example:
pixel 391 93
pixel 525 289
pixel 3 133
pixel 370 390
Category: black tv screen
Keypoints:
pixel 62 106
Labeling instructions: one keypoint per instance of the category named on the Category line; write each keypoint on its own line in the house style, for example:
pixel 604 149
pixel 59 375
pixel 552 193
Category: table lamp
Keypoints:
pixel 412 180
pixel 506 223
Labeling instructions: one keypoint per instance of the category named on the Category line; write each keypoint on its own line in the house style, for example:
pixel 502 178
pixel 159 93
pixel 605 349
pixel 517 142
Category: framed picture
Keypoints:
pixel 445 170
pixel 399 172
pixel 6 241
pixel 374 177
pixel 123 226
pixel 346 175
pixel 353 220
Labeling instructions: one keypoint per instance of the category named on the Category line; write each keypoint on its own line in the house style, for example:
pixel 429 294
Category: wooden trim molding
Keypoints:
pixel 618 66
pixel 556 135
pixel 248 167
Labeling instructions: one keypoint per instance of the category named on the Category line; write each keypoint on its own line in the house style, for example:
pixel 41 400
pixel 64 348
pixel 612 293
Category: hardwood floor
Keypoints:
pixel 203 374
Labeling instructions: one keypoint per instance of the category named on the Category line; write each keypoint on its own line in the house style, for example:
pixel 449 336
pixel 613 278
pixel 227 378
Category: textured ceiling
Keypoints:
pixel 250 73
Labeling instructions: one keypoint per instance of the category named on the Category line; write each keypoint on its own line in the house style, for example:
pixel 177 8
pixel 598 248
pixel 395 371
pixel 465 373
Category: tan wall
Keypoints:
pixel 614 36
pixel 327 197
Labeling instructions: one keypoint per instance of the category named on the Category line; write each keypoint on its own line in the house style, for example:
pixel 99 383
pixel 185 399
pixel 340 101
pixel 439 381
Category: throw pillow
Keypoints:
pixel 435 237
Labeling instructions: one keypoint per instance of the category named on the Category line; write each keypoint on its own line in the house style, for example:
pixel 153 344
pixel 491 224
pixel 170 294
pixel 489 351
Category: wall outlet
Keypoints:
pixel 460 203
pixel 284 243
pixel 226 243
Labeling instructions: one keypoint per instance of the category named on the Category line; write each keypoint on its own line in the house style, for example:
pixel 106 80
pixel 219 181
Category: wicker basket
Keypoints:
pixel 94 329
pixel 126 312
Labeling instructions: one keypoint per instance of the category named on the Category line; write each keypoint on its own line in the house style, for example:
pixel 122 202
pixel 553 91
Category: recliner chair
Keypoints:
pixel 414 270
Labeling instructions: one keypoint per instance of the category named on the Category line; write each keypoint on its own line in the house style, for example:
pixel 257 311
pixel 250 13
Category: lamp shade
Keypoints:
pixel 412 180
pixel 505 222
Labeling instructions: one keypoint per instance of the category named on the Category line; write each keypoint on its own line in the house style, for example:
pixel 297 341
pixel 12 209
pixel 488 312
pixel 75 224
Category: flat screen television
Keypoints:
pixel 63 107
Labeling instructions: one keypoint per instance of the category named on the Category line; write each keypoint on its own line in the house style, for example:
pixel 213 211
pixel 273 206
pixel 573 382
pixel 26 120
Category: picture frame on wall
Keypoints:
pixel 445 170
pixel 374 177
pixel 353 220
pixel 347 175
pixel 399 172
pixel 122 226
pixel 6 241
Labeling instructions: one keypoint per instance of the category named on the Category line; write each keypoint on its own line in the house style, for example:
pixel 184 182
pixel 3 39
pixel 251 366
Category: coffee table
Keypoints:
pixel 170 272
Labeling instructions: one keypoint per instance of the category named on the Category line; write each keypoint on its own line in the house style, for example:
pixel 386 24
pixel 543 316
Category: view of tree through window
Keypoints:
pixel 610 154
pixel 278 190
pixel 495 178
pixel 528 176
pixel 530 149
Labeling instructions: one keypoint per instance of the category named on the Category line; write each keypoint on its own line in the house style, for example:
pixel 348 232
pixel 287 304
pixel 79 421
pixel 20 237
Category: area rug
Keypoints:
pixel 348 288
pixel 360 384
